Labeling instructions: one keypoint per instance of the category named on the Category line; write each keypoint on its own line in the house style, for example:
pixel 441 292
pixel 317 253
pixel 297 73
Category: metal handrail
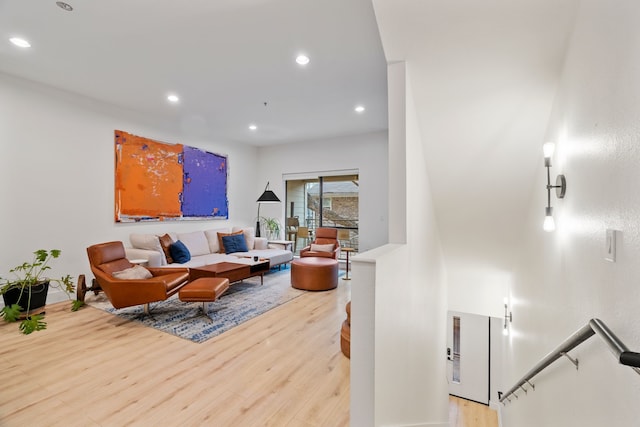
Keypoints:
pixel 595 326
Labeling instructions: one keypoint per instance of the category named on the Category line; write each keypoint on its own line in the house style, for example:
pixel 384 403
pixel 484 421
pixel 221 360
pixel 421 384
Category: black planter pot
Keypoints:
pixel 38 297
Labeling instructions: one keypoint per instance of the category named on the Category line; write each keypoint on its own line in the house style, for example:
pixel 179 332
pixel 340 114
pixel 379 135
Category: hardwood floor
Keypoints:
pixel 283 368
pixel 464 413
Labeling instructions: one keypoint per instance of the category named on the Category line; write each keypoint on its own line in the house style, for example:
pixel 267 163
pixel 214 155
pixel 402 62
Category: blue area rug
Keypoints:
pixel 242 301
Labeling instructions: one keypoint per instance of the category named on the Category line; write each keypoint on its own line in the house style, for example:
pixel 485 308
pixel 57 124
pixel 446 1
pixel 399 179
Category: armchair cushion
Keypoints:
pixel 135 272
pixel 179 252
pixel 322 248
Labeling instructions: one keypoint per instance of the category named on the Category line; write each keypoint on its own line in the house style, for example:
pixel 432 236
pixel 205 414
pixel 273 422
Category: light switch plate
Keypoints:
pixel 610 248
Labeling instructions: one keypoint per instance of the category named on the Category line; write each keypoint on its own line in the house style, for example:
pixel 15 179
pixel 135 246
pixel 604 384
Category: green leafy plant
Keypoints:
pixel 25 277
pixel 272 225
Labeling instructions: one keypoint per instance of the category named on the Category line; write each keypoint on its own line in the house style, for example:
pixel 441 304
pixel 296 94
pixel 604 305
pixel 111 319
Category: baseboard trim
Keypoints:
pixel 420 425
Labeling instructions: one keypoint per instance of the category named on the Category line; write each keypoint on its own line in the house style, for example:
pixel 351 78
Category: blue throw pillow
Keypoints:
pixel 234 243
pixel 179 252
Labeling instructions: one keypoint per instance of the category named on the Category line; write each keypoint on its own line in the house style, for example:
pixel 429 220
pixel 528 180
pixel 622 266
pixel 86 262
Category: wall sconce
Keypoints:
pixel 508 318
pixel 268 196
pixel 561 187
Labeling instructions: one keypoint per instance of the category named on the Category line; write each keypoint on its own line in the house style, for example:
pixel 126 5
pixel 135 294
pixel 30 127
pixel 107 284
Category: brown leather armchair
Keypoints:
pixel 324 236
pixel 107 258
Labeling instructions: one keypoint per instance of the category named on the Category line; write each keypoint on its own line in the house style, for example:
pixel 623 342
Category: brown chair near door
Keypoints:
pixel 292 230
pixel 108 258
pixel 344 235
pixel 324 236
pixel 303 233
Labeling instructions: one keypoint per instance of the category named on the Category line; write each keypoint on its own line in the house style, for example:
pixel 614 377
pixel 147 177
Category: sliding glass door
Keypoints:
pixel 326 201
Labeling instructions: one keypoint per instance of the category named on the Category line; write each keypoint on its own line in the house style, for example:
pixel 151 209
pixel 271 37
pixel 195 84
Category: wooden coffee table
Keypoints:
pixel 233 271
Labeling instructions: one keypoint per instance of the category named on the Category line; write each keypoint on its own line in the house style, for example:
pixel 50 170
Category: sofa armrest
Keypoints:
pixel 154 259
pixel 261 243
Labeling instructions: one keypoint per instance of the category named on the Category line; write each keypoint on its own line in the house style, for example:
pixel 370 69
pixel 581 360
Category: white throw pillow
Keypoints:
pixel 322 248
pixel 149 242
pixel 196 242
pixel 134 273
pixel 212 239
pixel 145 241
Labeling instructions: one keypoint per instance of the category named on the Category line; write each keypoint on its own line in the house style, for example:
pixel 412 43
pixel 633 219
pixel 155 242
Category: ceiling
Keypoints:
pixel 484 76
pixel 223 58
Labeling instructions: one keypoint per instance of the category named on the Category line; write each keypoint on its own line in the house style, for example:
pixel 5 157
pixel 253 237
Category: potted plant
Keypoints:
pixel 272 225
pixel 26 292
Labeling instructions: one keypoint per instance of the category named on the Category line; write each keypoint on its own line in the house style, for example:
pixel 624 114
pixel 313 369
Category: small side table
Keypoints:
pixel 348 251
pixel 286 245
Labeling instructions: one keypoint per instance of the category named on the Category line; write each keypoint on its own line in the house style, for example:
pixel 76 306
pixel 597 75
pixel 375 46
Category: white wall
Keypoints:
pixel 497 343
pixel 563 280
pixel 57 174
pixel 478 290
pixel 399 305
pixel 366 153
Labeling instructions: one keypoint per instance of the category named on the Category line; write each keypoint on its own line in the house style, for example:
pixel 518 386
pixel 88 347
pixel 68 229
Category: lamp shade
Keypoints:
pixel 268 197
pixel 549 224
pixel 548 149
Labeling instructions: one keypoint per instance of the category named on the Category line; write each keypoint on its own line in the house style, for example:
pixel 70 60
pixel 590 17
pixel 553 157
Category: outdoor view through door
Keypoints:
pixel 326 201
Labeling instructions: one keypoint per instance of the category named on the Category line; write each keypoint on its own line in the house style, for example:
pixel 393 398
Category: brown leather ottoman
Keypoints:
pixel 205 289
pixel 314 274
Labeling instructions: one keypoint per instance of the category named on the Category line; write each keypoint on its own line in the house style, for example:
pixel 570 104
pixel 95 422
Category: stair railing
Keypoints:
pixel 594 327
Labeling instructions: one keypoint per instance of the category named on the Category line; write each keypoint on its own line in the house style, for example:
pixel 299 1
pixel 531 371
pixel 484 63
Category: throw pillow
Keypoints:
pixel 221 235
pixel 134 273
pixel 166 241
pixel 322 248
pixel 196 242
pixel 212 238
pixel 249 235
pixel 235 243
pixel 179 252
pixel 147 241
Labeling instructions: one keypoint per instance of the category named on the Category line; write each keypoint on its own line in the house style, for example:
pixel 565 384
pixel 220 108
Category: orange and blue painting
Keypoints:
pixel 157 181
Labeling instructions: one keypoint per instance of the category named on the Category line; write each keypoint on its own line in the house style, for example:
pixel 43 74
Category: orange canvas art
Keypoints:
pixel 156 174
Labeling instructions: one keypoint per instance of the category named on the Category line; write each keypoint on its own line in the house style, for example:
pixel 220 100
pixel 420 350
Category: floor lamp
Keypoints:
pixel 267 197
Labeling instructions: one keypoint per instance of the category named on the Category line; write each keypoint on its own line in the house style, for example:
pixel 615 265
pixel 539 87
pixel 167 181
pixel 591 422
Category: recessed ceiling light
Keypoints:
pixel 359 109
pixel 173 98
pixel 302 59
pixel 19 42
pixel 64 6
pixel 253 127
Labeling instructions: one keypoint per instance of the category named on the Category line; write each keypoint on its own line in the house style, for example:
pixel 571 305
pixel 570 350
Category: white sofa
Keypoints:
pixel 204 248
